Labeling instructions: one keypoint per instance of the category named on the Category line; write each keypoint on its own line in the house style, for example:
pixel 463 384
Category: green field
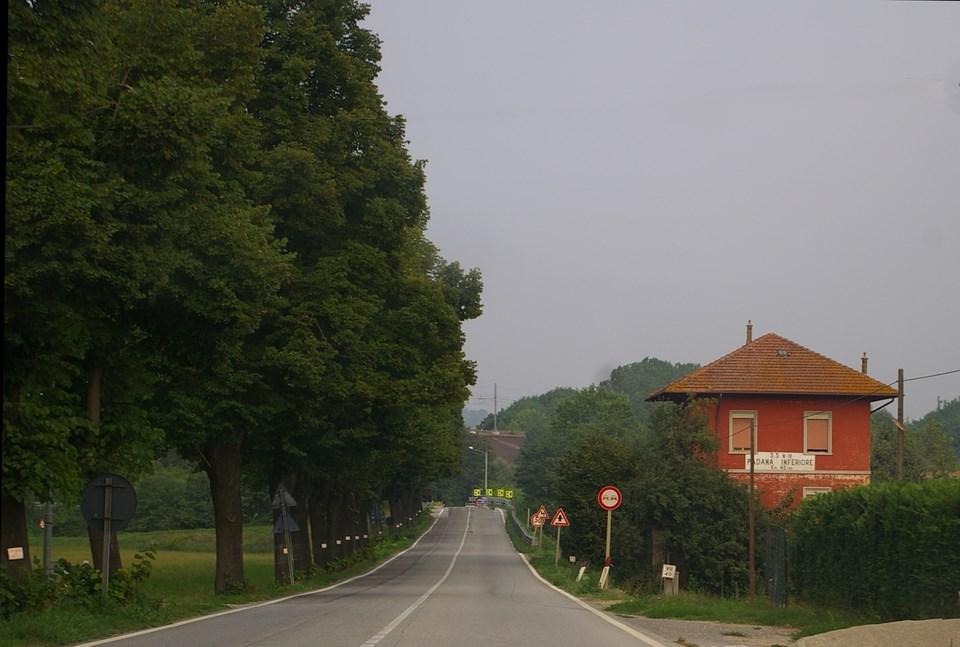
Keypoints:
pixel 180 586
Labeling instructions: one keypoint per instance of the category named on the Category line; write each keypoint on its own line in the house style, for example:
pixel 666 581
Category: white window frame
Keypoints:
pixel 756 428
pixel 814 491
pixel 818 415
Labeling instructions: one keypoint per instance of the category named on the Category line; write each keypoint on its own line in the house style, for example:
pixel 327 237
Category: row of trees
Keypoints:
pixel 215 243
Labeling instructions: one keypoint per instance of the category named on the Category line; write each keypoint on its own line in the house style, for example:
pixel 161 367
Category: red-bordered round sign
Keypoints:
pixel 609 497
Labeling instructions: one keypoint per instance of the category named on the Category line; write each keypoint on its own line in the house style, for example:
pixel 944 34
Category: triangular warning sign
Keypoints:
pixel 560 518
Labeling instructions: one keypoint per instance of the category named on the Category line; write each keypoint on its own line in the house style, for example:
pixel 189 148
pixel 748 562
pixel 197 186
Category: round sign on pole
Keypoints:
pixel 123 501
pixel 609 497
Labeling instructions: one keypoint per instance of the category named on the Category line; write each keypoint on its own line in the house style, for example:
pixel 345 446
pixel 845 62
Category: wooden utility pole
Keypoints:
pixel 751 541
pixel 900 424
pixel 494 408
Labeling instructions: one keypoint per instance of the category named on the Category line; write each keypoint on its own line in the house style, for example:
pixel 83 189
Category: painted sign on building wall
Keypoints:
pixel 782 462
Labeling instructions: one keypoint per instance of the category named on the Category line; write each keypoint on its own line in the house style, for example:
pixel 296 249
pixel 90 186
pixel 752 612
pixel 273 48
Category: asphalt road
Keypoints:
pixel 462 585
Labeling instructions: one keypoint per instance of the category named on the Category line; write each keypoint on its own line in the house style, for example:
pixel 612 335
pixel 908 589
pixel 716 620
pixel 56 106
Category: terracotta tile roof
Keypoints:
pixel 773 364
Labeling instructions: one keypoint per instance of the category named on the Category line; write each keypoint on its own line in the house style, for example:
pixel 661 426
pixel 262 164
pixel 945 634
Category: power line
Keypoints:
pixel 924 377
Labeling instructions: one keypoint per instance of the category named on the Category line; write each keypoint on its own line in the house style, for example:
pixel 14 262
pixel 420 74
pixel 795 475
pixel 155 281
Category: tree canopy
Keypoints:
pixel 215 242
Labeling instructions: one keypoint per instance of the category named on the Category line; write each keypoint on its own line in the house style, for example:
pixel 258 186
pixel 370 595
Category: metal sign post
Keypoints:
pixel 109 501
pixel 609 498
pixel 539 518
pixel 47 526
pixel 107 513
pixel 284 501
pixel 559 521
pixel 556 554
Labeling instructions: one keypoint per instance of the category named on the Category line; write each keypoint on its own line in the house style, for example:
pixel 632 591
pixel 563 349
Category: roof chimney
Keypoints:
pixel 863 364
pixel 749 331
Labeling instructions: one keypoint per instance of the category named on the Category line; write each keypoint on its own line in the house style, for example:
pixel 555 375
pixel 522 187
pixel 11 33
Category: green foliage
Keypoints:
pixel 211 215
pixel 530 412
pixel 639 379
pixel 862 548
pixel 591 412
pixel 947 416
pixel 929 447
pixel 74 585
pixel 454 489
pixel 695 511
pixel 35 591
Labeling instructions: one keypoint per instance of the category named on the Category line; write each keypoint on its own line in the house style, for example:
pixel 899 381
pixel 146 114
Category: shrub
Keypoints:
pixel 74 585
pixel 889 549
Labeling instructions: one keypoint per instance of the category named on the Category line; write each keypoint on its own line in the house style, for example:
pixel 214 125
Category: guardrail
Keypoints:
pixel 521 527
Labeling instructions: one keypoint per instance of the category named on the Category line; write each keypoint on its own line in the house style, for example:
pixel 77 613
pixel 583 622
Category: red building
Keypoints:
pixel 809 416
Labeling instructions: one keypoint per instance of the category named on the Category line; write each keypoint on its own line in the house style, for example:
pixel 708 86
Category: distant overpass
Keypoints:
pixel 503 444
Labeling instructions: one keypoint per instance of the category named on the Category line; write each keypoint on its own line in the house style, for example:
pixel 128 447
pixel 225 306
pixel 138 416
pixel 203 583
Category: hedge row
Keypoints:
pixel 892 549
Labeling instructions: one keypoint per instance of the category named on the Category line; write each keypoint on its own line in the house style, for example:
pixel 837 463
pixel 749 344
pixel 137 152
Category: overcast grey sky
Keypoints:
pixel 640 178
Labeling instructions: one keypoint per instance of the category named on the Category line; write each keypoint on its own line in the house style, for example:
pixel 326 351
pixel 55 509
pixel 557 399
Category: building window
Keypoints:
pixel 814 491
pixel 741 423
pixel 817 432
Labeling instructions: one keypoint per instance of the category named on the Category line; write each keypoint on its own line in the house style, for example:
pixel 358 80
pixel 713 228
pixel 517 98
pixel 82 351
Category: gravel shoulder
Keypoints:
pixel 906 633
pixel 697 633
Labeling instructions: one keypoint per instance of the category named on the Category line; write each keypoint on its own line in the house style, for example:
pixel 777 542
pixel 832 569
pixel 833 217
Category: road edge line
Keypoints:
pixel 600 614
pixel 257 605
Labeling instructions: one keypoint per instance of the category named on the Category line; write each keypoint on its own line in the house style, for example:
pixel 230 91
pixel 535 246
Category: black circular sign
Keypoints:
pixel 123 501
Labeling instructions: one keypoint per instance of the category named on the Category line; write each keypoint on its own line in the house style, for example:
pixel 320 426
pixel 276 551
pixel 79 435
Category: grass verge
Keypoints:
pixel 805 620
pixel 180 586
pixel 562 574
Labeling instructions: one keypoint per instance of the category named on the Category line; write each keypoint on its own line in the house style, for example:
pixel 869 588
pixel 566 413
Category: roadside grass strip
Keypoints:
pixel 805 620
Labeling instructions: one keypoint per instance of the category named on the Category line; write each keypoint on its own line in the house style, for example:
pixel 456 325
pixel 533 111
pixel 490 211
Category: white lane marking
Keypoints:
pixel 383 633
pixel 503 518
pixel 259 604
pixel 616 623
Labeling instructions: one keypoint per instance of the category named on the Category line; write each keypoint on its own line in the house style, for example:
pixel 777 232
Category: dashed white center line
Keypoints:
pixel 383 633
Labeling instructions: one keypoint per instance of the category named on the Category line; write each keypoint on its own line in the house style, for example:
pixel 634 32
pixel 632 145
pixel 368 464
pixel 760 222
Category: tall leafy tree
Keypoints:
pixel 189 147
pixel 74 378
pixel 639 379
pixel 363 359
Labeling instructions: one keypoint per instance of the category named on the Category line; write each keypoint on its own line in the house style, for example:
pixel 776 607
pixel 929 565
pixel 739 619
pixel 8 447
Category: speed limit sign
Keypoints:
pixel 609 497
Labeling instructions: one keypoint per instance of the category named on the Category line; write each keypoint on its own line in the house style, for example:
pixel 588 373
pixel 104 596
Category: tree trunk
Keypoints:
pixel 222 464
pixel 317 505
pixel 341 522
pixel 95 530
pixel 95 536
pixel 355 519
pixel 299 543
pixel 302 560
pixel 13 534
pixel 363 521
pixel 376 531
pixel 398 514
